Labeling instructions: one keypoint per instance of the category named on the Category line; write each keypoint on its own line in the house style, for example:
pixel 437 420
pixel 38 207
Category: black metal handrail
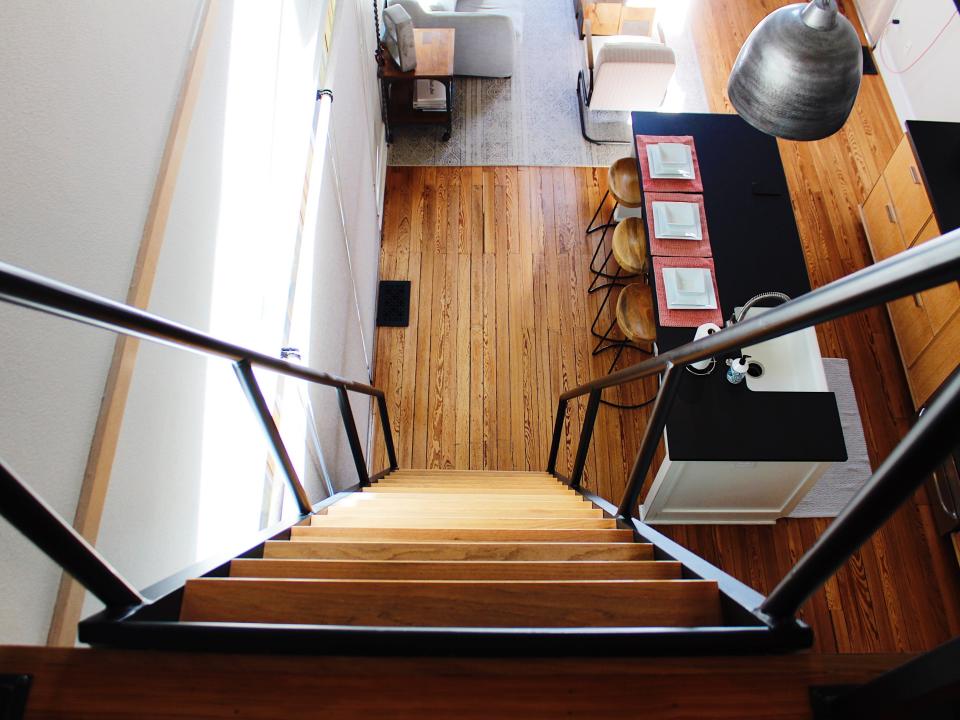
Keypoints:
pixel 29 514
pixel 920 268
pixel 27 289
pixel 52 534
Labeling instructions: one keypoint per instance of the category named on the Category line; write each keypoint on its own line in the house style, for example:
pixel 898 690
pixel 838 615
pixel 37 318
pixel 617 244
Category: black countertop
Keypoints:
pixel 756 247
pixel 937 147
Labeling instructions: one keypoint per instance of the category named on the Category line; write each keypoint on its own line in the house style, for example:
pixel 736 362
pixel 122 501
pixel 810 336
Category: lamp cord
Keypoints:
pixel 919 57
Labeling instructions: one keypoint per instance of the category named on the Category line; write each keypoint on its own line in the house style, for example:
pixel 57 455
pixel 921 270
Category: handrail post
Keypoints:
pixel 353 437
pixel 557 432
pixel 387 430
pixel 42 526
pixel 586 433
pixel 251 389
pixel 651 439
pixel 904 470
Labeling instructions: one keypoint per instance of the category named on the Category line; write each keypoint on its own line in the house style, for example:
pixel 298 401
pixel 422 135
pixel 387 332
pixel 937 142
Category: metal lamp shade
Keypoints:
pixel 798 73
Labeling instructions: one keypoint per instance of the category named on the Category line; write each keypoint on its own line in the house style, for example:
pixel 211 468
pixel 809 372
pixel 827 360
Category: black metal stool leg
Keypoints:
pixel 599 211
pixel 605 336
pixel 616 280
pixel 615 358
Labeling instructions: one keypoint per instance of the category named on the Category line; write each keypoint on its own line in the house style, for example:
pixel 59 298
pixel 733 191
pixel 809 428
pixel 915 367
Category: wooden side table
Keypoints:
pixel 617 17
pixel 398 89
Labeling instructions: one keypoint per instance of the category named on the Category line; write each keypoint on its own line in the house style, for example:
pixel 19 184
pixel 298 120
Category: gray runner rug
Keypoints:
pixel 839 483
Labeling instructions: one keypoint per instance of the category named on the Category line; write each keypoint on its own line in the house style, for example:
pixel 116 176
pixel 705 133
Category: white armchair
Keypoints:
pixel 488 31
pixel 623 73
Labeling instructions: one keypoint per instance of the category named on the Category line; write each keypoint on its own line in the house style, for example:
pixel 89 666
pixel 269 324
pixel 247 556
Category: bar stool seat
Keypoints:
pixel 630 246
pixel 635 316
pixel 624 182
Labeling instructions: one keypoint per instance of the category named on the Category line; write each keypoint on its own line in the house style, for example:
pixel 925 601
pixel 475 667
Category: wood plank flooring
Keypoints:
pixel 500 322
pixel 107 684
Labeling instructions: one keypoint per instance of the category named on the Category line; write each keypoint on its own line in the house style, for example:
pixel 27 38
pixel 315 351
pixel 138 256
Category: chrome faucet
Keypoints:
pixel 738 314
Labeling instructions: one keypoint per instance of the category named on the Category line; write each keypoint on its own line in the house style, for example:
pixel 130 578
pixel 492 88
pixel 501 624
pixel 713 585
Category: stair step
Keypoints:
pixel 455 570
pixel 497 511
pixel 479 484
pixel 462 500
pixel 445 473
pixel 435 603
pixel 353 550
pixel 437 489
pixel 348 521
pixel 420 534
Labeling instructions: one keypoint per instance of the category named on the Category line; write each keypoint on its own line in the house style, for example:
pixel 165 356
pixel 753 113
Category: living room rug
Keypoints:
pixel 841 480
pixel 532 118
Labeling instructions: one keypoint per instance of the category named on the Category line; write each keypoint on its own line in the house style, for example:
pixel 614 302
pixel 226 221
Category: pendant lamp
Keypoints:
pixel 798 73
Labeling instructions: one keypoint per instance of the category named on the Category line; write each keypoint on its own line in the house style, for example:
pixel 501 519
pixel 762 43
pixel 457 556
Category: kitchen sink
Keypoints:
pixel 791 363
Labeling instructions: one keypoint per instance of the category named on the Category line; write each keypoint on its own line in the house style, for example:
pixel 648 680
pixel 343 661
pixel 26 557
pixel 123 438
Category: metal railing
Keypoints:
pixel 934 263
pixel 68 549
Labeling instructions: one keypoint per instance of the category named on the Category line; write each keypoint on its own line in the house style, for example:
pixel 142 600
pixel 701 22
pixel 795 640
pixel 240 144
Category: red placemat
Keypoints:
pixel 667 185
pixel 684 318
pixel 677 248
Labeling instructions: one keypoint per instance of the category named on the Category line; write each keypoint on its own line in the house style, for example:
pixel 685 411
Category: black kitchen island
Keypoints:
pixel 756 248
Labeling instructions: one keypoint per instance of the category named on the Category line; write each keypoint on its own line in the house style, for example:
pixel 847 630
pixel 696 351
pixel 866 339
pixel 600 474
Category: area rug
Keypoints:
pixel 532 118
pixel 842 480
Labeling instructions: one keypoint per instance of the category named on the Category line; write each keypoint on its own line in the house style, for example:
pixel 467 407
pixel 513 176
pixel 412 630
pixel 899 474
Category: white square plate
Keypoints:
pixel 659 169
pixel 674 154
pixel 677 300
pixel 677 221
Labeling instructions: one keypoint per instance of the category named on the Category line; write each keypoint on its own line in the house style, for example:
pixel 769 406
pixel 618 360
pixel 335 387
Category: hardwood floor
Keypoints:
pixel 500 322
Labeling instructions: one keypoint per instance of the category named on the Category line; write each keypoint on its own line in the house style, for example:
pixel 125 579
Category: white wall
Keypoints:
pixel 88 92
pixel 227 263
pixel 926 90
pixel 357 130
pixel 89 89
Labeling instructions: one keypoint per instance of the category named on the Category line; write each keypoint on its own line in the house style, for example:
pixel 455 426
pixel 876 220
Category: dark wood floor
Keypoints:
pixel 500 322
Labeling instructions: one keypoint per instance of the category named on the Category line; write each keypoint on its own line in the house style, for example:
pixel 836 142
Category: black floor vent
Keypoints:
pixel 393 303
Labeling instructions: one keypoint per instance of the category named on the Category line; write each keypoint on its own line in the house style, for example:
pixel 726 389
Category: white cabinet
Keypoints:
pixel 736 492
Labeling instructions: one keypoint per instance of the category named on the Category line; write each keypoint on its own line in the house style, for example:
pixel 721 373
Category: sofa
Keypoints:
pixel 488 31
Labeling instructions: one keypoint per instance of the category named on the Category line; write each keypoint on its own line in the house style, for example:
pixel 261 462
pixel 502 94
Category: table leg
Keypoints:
pixel 449 89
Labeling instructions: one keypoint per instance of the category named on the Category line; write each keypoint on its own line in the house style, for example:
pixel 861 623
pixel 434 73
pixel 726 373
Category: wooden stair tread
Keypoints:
pixel 478 484
pixel 420 534
pixel 475 490
pixel 454 603
pixel 467 511
pixel 440 472
pixel 457 569
pixel 464 522
pixel 463 499
pixel 354 550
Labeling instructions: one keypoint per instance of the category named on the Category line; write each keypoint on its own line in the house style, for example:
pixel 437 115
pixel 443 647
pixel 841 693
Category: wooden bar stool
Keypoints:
pixel 629 248
pixel 635 316
pixel 623 183
pixel 636 320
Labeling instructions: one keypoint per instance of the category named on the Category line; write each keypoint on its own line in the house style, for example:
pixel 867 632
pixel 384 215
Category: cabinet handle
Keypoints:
pixel 916 300
pixel 915 175
pixel 890 213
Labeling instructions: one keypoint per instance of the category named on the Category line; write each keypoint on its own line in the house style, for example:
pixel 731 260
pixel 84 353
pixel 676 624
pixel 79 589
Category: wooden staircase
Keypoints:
pixel 457 549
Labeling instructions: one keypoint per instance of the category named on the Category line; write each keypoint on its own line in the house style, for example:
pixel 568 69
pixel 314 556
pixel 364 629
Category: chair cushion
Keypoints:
pixel 511 8
pixel 630 74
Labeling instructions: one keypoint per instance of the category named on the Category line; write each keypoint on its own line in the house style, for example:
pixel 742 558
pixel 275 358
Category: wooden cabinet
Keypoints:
pixel 897 215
